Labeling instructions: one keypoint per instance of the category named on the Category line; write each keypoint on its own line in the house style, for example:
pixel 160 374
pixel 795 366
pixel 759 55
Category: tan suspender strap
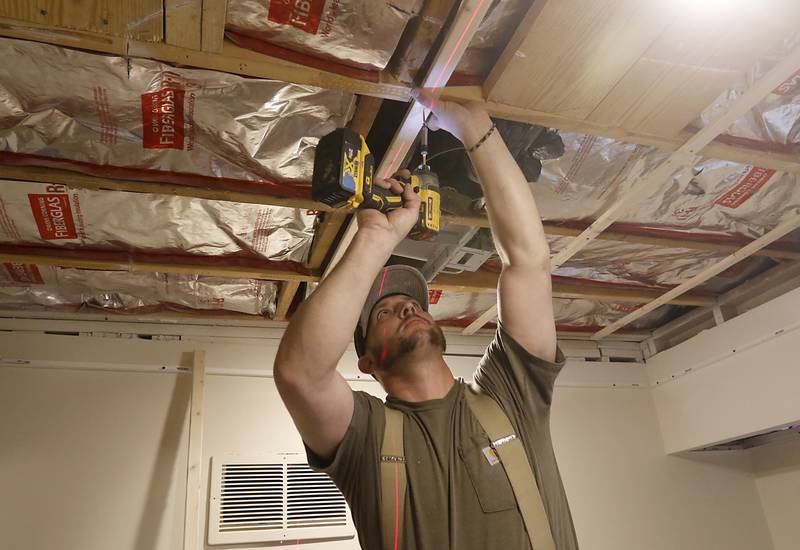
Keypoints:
pixel 520 474
pixel 393 479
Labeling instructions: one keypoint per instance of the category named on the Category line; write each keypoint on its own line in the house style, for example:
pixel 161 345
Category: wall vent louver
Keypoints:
pixel 273 498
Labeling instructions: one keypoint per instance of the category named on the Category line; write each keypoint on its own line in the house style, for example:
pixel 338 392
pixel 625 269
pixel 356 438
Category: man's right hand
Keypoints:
pixel 392 227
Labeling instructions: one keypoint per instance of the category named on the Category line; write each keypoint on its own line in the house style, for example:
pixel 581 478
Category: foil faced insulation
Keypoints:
pixel 29 286
pixel 143 116
pixel 464 307
pixel 650 266
pixel 712 197
pixel 624 263
pixel 492 36
pixel 358 33
pixel 38 213
pixel 773 124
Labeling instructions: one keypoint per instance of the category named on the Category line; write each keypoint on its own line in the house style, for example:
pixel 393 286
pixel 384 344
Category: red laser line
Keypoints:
pixel 383 280
pixel 385 351
pixel 458 43
pixel 400 147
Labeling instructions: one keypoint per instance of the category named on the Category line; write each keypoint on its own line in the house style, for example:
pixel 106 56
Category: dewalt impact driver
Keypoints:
pixel 343 172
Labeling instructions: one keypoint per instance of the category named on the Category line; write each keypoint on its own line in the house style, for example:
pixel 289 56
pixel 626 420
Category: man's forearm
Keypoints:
pixel 513 216
pixel 323 326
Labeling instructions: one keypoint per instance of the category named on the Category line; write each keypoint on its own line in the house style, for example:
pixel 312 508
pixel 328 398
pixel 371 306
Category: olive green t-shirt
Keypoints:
pixel 455 498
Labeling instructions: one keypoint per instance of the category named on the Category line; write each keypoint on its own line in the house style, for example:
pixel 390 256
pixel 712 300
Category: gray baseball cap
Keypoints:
pixel 393 279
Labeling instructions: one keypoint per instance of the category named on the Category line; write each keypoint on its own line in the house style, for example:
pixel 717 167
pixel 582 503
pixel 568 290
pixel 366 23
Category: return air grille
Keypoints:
pixel 274 498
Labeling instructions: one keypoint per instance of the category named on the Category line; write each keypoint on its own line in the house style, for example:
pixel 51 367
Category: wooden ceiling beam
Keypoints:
pixel 485 281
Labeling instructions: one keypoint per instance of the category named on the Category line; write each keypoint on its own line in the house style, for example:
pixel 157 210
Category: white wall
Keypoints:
pixel 99 437
pixel 734 380
pixel 626 494
pixel 92 460
pixel 777 472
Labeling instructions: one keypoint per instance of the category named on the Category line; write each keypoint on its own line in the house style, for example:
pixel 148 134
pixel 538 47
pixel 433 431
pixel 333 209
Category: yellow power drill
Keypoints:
pixel 343 172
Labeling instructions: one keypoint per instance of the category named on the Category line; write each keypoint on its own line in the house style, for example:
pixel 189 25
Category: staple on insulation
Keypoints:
pixel 55 215
pixel 29 286
pixel 141 119
pixel 357 33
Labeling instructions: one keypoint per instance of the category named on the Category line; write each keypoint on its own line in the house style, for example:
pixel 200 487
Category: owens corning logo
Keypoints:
pixel 162 119
pixel 53 214
pixel 746 187
pixel 433 296
pixel 301 14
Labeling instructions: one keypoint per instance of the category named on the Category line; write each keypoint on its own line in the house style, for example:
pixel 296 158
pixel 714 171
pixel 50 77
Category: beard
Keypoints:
pixel 406 345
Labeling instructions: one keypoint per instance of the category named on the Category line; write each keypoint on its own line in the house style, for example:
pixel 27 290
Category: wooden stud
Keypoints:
pixel 183 21
pixel 213 25
pixel 285 298
pixel 324 237
pixel 85 181
pixel 238 60
pixel 139 19
pixel 418 39
pixel 364 117
pixel 782 229
pixel 486 281
pixel 191 522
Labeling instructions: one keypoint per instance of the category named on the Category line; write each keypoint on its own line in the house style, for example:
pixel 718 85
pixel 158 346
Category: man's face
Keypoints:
pixel 398 326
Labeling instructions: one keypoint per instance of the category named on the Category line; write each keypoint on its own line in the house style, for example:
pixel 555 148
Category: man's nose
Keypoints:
pixel 408 309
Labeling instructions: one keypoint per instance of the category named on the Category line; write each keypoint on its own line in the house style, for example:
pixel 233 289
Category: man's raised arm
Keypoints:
pixel 524 289
pixel 318 398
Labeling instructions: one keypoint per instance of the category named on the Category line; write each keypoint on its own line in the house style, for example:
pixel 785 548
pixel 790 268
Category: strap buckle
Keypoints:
pixel 503 440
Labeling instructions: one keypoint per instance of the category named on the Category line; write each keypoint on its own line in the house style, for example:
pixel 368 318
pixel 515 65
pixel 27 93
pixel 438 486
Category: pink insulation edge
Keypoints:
pixel 142 119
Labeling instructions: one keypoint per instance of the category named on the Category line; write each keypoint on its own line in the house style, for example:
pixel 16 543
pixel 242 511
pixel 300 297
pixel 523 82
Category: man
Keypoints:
pixel 457 497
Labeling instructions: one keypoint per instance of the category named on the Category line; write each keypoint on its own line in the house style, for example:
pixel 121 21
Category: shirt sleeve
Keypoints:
pixel 356 456
pixel 521 382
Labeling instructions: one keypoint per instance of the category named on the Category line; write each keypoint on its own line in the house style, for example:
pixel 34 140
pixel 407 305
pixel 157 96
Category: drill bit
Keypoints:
pixel 423 148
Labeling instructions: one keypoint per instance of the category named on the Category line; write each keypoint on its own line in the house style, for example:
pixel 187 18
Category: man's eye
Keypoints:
pixel 381 314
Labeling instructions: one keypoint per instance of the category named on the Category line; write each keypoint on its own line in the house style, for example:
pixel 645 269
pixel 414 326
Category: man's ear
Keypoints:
pixel 366 364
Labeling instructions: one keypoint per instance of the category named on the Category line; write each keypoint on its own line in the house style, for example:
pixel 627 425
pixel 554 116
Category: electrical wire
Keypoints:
pixel 440 153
